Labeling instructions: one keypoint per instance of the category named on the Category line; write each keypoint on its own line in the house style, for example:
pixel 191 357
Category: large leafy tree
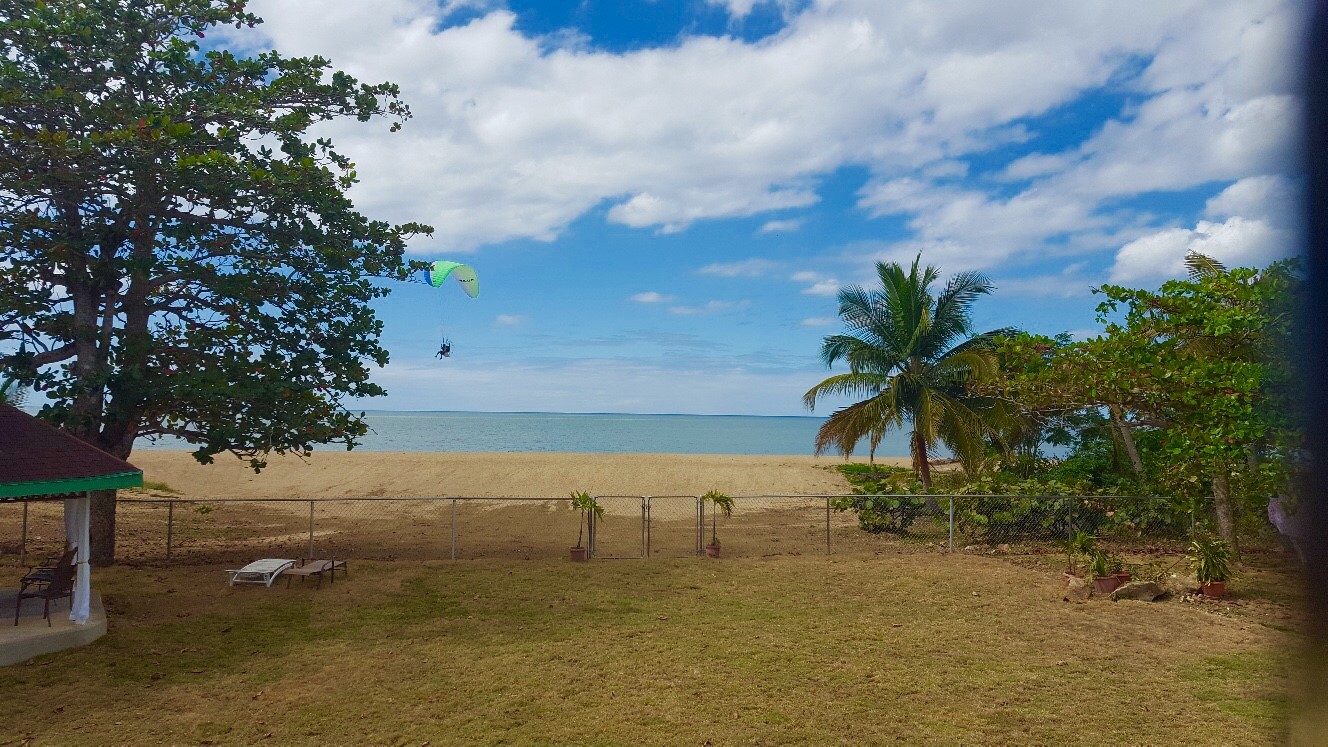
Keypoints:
pixel 1202 365
pixel 179 253
pixel 912 358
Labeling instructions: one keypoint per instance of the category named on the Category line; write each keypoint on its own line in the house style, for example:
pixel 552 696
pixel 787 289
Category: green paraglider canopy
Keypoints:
pixel 464 274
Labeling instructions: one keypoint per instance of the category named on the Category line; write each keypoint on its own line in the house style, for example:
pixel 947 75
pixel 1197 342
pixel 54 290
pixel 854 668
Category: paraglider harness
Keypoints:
pixel 446 350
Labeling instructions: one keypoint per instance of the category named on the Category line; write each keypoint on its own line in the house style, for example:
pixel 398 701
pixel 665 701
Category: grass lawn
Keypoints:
pixel 914 649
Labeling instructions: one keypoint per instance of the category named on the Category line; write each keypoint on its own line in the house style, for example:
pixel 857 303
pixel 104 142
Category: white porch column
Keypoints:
pixel 77 519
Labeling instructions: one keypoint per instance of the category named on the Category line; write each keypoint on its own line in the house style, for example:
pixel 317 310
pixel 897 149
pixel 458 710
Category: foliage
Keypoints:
pixel 882 498
pixel 720 503
pixel 11 394
pixel 1080 544
pixel 1195 375
pixel 588 506
pixel 1100 564
pixel 1210 558
pixel 180 255
pixel 900 347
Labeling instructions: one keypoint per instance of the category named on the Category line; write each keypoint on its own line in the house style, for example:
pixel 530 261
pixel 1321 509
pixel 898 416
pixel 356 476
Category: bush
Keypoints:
pixel 888 514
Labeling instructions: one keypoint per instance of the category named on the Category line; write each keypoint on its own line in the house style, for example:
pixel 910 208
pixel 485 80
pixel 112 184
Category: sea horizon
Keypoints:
pixel 584 432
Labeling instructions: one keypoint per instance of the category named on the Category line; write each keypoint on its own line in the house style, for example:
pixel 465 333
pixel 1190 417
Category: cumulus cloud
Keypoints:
pixel 818 321
pixel 509 320
pixel 1234 242
pixel 1271 198
pixel 650 297
pixel 516 136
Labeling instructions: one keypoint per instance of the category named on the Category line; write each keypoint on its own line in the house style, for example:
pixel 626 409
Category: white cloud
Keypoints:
pixel 781 226
pixel 747 268
pixel 517 136
pixel 650 297
pixel 1237 242
pixel 710 307
pixel 1275 199
pixel 818 321
pixel 509 320
pixel 820 284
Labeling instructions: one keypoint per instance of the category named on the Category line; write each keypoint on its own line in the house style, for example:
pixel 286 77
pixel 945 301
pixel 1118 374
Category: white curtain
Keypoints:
pixel 77 517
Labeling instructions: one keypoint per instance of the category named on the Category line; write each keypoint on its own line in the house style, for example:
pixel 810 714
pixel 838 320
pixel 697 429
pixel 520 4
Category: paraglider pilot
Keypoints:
pixel 446 349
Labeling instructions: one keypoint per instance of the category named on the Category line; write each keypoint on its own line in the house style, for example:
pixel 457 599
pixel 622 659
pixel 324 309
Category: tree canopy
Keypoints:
pixel 912 357
pixel 180 255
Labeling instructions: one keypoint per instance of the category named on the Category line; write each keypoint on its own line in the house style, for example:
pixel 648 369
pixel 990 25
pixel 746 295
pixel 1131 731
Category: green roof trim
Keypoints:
pixel 76 485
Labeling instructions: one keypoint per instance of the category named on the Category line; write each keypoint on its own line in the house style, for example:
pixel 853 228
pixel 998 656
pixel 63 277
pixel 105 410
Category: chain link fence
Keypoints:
pixel 234 530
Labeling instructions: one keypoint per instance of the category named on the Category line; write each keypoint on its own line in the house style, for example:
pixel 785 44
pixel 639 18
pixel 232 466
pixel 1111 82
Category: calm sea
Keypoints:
pixel 607 432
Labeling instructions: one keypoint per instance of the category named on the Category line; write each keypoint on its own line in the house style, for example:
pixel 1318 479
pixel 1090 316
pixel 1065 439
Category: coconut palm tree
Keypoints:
pixel 900 347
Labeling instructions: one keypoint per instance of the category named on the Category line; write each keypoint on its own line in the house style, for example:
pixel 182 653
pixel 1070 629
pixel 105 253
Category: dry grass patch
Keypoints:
pixel 791 650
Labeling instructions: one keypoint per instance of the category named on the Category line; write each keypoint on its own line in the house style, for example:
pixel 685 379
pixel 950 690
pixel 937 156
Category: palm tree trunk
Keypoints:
pixel 922 470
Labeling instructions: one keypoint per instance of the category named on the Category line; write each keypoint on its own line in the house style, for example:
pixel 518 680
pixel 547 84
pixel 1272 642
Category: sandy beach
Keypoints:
pixel 493 475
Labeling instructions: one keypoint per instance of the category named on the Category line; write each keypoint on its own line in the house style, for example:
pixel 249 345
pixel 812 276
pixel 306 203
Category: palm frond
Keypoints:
pixel 1202 266
pixel 846 385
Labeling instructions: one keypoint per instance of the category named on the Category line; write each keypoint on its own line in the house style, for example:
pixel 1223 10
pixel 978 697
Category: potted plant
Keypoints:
pixel 588 506
pixel 1100 566
pixel 1081 544
pixel 718 502
pixel 1119 572
pixel 1211 560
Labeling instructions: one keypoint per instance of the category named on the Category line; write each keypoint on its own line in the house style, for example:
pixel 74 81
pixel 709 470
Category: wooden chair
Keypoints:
pixel 41 575
pixel 61 586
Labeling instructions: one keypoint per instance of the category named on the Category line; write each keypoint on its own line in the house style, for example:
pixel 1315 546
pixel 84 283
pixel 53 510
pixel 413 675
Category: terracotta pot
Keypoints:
pixel 1123 577
pixel 1215 589
pixel 1105 584
pixel 712 551
pixel 577 553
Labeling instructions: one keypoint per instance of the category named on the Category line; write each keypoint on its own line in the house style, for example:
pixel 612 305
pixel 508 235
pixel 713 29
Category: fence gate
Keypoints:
pixel 621 532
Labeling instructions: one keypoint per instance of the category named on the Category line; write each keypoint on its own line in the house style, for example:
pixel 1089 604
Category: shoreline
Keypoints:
pixel 418 474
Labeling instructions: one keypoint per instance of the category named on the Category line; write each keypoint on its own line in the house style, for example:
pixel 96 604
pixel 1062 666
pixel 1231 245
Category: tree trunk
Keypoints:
pixel 1127 439
pixel 922 468
pixel 1226 516
pixel 101 528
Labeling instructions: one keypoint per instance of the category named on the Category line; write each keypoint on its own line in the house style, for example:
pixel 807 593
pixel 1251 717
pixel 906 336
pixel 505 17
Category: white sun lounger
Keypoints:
pixel 263 571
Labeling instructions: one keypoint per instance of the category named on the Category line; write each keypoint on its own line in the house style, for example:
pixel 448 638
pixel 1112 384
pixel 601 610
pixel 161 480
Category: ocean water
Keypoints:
pixel 600 432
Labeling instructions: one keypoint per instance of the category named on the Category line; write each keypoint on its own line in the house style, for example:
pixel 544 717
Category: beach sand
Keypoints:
pixel 493 475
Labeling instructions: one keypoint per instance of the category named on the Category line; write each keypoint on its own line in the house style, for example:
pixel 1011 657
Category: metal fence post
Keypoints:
pixel 951 501
pixel 1069 518
pixel 700 525
pixel 590 534
pixel 643 526
pixel 23 538
pixel 649 521
pixel 170 528
pixel 454 529
pixel 827 525
pixel 311 529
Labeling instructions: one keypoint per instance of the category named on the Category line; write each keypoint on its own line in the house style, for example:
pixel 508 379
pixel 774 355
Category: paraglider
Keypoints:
pixel 438 274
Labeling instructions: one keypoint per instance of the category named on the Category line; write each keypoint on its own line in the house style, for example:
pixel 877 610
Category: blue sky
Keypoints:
pixel 661 198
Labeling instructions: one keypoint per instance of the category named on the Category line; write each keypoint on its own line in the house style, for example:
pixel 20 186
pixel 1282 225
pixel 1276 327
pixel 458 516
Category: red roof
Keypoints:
pixel 33 451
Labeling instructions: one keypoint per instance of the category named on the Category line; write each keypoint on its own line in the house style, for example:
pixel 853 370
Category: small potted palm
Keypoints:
pixel 1081 544
pixel 588 506
pixel 1211 560
pixel 1100 565
pixel 718 502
